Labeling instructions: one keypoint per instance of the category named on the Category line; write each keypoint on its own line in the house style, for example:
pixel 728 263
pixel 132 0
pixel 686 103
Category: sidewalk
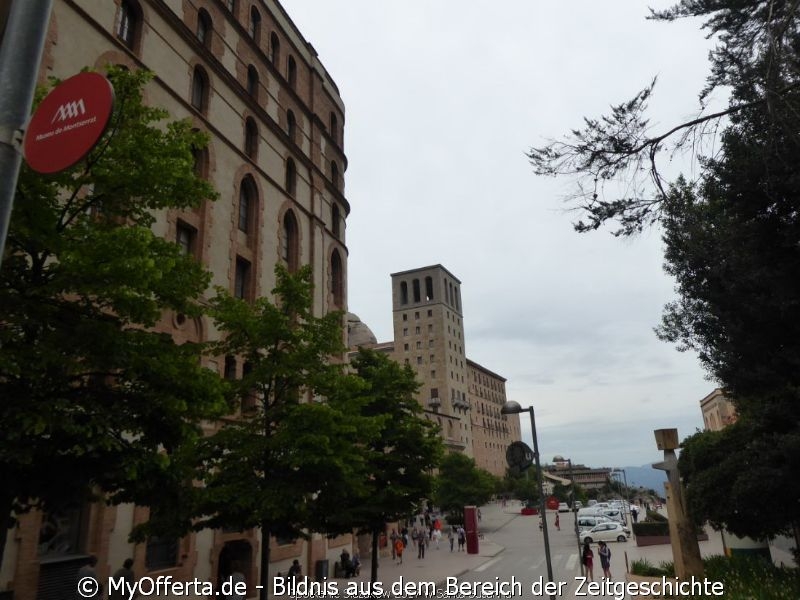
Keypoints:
pixel 442 563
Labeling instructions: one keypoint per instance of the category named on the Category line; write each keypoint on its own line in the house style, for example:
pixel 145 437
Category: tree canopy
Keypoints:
pixel 278 457
pixel 94 398
pixel 460 483
pixel 755 58
pixel 400 459
pixel 732 240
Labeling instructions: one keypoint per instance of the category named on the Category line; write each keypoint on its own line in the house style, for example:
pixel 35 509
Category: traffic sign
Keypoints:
pixel 552 503
pixel 68 122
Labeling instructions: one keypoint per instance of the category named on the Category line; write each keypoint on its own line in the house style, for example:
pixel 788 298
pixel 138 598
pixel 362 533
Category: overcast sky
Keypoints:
pixel 443 98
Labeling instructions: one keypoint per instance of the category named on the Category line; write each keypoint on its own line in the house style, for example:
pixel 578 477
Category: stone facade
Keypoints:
pixel 461 396
pixel 492 432
pixel 718 411
pixel 243 73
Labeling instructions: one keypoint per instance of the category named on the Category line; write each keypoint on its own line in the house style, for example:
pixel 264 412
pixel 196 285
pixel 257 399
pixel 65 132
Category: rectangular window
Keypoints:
pixel 430 328
pixel 434 391
pixel 433 358
pixel 185 235
pixel 405 317
pixel 416 330
pixel 405 347
pixel 416 315
pixel 419 345
pixel 419 360
pixel 241 284
pixel 405 330
pixel 430 312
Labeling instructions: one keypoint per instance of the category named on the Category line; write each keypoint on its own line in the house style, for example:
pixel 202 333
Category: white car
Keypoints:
pixel 604 532
pixel 563 507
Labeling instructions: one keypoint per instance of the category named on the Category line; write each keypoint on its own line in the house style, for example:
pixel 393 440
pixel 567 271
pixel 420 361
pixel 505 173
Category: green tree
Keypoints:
pixel 522 484
pixel 272 464
pixel 400 459
pixel 460 483
pixel 732 241
pixel 755 58
pixel 95 401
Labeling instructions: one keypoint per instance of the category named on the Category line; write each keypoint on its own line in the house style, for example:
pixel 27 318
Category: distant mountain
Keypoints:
pixel 646 477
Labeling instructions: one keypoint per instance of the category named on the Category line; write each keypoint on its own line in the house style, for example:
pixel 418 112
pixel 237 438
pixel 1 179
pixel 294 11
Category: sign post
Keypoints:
pixel 20 55
pixel 68 123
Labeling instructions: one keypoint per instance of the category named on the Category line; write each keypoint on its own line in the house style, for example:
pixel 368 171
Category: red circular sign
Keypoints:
pixel 552 503
pixel 68 122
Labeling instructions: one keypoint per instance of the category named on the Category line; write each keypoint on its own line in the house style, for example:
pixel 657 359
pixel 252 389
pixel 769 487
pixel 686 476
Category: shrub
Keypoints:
pixel 642 566
pixel 653 515
pixel 746 577
pixel 648 528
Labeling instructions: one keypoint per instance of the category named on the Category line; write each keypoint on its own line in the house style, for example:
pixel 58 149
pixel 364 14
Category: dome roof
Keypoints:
pixel 358 333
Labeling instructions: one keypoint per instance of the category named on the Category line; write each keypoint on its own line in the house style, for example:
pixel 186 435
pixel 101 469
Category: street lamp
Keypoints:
pixel 513 408
pixel 575 511
pixel 627 494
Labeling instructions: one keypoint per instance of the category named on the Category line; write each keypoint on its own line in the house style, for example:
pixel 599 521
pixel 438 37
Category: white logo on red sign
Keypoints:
pixel 70 110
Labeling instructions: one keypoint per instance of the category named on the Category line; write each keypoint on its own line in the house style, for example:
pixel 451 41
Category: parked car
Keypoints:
pixel 589 521
pixel 563 507
pixel 604 532
pixel 577 505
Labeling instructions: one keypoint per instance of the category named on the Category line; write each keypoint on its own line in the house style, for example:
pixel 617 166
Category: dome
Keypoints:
pixel 358 333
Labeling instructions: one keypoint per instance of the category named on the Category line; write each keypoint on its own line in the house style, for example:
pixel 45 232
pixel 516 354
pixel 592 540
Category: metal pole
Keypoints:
pixel 575 513
pixel 542 503
pixel 20 56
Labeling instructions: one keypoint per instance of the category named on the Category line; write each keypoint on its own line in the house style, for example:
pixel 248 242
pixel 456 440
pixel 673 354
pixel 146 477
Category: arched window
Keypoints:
pixel 204 28
pixel 200 156
pixel 428 289
pixel 252 81
pixel 334 174
pixel 291 72
pixel 247 205
pixel 200 89
pixel 275 47
pixel 337 279
pixel 336 218
pixel 415 286
pixel 129 21
pixel 291 177
pixel 334 127
pixel 291 124
pixel 290 242
pixel 403 292
pixel 251 138
pixel 255 23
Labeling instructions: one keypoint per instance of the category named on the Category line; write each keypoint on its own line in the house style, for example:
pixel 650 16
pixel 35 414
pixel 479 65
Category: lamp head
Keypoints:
pixel 511 407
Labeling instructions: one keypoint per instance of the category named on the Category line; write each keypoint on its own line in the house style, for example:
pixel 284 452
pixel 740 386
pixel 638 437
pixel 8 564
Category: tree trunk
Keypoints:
pixel 6 523
pixel 263 572
pixel 373 575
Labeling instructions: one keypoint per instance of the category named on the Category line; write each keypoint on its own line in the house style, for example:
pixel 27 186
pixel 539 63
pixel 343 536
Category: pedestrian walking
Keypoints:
pixel 392 539
pixel 421 545
pixel 125 573
pixel 462 538
pixel 587 558
pixel 558 522
pixel 605 559
pixel 237 584
pixel 398 550
pixel 89 585
pixel 437 536
pixel 295 571
pixel 451 538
